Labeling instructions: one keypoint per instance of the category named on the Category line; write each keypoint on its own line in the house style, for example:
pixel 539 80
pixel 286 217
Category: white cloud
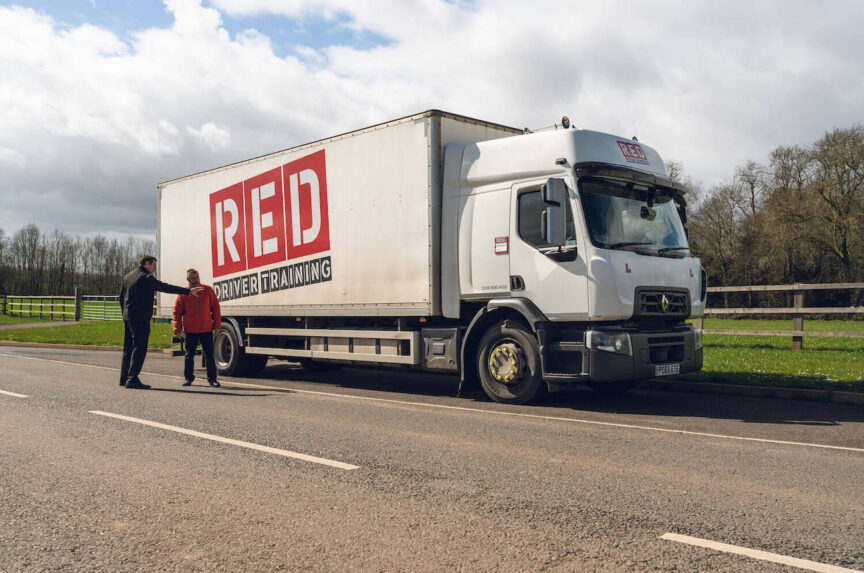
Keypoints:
pixel 211 135
pixel 90 120
pixel 12 157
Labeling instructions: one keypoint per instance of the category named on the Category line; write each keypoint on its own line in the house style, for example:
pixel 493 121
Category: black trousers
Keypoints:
pixel 135 338
pixel 191 341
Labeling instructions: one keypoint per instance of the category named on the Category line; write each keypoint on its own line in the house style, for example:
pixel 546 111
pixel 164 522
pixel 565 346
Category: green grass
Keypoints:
pixel 6 319
pixel 95 333
pixel 824 363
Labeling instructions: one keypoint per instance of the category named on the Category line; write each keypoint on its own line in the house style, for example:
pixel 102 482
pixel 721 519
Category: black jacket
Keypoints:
pixel 136 294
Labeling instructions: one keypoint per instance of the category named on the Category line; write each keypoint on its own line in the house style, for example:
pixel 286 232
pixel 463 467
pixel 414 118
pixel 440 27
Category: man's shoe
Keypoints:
pixel 137 385
pixel 187 383
pixel 215 384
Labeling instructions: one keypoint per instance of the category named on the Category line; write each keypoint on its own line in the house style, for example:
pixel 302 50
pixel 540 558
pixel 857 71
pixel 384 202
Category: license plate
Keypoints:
pixel 667 369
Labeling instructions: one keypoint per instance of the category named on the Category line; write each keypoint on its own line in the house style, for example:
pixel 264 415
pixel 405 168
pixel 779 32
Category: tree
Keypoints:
pixel 750 180
pixel 692 188
pixel 28 254
pixel 838 179
pixel 4 266
pixel 714 233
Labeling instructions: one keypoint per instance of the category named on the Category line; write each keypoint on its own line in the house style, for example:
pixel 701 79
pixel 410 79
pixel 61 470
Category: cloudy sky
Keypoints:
pixel 101 100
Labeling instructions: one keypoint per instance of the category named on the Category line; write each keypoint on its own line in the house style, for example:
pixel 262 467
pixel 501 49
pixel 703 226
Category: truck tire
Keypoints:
pixel 226 351
pixel 508 362
pixel 230 358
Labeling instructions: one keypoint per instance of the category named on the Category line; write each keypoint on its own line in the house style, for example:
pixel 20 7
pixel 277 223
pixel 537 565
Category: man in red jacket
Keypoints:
pixel 196 318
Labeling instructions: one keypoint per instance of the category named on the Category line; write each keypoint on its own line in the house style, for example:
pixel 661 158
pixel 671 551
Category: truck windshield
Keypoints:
pixel 628 216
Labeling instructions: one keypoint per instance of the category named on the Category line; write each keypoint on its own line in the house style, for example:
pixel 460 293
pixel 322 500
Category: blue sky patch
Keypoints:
pixel 125 16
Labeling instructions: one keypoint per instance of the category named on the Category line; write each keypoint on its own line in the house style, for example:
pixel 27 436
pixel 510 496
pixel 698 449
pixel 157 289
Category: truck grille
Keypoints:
pixel 666 349
pixel 663 303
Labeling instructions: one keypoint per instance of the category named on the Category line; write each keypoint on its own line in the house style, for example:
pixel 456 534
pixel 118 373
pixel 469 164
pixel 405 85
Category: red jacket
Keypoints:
pixel 197 314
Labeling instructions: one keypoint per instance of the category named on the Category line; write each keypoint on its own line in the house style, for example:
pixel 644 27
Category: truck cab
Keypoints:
pixel 576 243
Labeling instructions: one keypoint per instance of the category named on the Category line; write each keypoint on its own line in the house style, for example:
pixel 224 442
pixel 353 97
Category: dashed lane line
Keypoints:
pixel 242 444
pixel 757 554
pixel 481 411
pixel 13 394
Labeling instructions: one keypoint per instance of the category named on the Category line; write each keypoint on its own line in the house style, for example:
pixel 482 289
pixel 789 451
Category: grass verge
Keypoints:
pixel 96 333
pixel 823 364
pixel 6 319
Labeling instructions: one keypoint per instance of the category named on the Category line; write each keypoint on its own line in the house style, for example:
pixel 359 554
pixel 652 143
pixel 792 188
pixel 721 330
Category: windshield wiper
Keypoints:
pixel 667 249
pixel 619 245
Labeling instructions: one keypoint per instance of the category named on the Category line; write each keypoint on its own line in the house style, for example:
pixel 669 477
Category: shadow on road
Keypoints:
pixel 582 399
pixel 208 392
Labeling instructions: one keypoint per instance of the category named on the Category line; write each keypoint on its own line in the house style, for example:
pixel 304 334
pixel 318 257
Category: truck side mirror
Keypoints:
pixel 553 219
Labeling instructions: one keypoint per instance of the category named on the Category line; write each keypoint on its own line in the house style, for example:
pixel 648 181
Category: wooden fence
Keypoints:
pixel 797 311
pixel 47 307
pixel 77 307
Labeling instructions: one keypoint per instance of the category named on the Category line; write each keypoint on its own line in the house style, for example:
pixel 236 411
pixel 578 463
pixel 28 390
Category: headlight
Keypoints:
pixel 698 343
pixel 619 343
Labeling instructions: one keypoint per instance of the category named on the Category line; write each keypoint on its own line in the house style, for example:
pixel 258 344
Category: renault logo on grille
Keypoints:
pixel 664 303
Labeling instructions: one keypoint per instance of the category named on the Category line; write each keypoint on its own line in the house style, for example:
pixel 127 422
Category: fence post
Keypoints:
pixel 798 321
pixel 3 304
pixel 77 305
pixel 698 323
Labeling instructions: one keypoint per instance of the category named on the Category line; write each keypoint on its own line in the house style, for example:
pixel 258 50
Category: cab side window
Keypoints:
pixel 531 207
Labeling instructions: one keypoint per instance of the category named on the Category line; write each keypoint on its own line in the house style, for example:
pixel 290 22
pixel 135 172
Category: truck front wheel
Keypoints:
pixel 508 362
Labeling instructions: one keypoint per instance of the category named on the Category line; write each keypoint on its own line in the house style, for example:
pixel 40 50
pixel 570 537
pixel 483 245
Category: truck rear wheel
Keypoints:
pixel 230 358
pixel 508 362
pixel 226 351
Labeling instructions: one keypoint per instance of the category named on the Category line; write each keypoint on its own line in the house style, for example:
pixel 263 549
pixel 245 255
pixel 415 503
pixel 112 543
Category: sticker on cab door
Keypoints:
pixel 633 152
pixel 501 245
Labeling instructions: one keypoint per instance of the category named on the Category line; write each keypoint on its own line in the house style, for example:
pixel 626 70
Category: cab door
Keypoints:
pixel 553 278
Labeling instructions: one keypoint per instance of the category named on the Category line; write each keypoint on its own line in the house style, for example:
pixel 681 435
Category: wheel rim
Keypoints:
pixel 507 363
pixel 223 349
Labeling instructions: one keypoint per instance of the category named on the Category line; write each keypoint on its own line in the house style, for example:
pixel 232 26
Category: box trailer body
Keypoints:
pixel 445 243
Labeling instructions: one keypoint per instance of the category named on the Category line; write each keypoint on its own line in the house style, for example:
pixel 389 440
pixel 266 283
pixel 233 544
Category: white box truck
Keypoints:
pixel 522 261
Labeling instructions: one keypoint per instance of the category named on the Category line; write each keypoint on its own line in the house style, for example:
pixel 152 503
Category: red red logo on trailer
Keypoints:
pixel 632 150
pixel 228 230
pixel 275 216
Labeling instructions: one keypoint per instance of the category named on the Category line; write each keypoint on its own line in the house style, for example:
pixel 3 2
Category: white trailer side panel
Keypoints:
pixel 383 197
pixel 377 187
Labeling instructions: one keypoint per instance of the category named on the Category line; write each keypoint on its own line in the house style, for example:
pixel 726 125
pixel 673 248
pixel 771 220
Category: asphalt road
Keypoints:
pixel 581 482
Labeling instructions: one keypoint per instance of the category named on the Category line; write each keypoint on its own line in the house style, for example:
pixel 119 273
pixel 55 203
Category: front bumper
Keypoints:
pixel 649 350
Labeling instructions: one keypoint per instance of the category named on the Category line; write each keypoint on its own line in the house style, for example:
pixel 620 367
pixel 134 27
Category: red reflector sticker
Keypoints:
pixel 501 246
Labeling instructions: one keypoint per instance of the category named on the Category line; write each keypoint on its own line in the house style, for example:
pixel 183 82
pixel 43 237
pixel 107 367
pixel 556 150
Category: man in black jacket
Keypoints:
pixel 136 301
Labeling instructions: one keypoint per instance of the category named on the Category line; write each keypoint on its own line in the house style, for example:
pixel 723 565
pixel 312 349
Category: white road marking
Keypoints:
pixel 476 410
pixel 756 554
pixel 13 394
pixel 250 445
